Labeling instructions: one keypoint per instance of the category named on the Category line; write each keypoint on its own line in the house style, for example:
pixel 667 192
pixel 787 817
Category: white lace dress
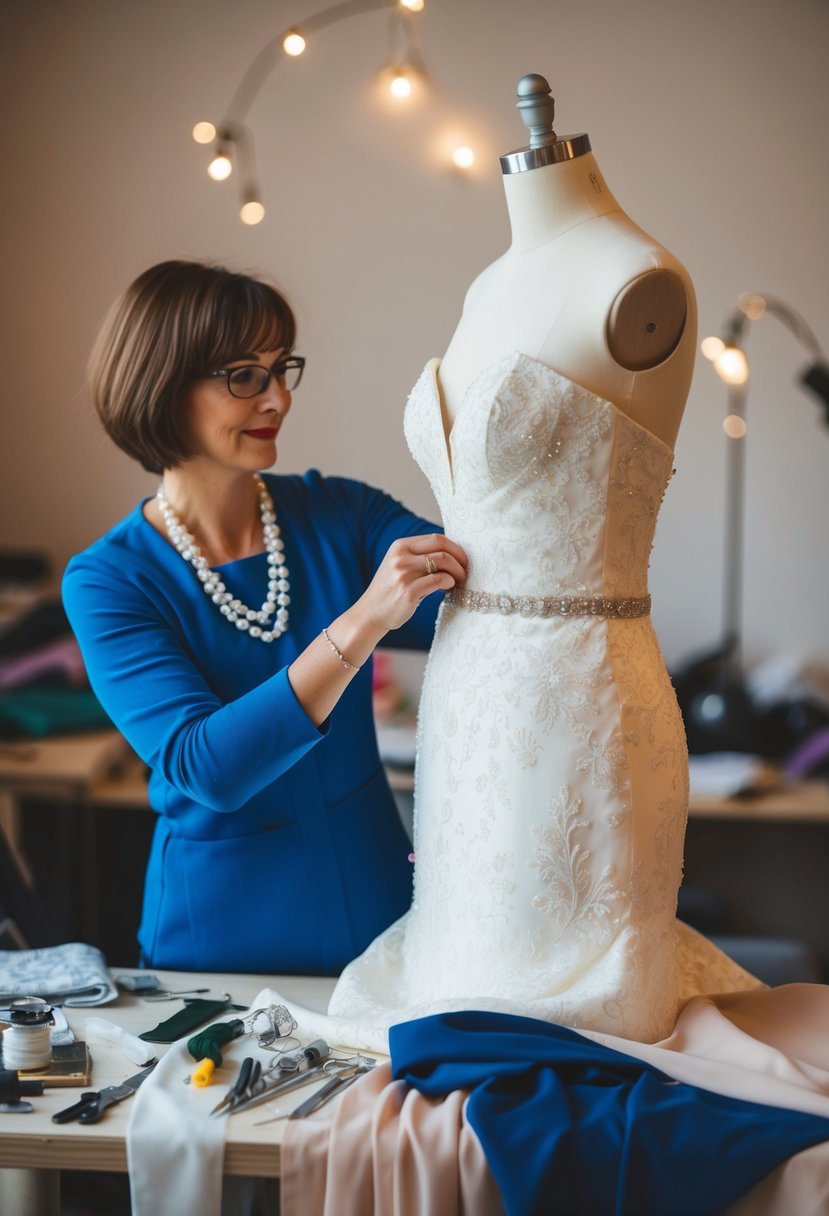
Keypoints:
pixel 551 784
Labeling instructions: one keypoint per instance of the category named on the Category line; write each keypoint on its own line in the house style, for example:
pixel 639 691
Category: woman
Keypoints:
pixel 278 847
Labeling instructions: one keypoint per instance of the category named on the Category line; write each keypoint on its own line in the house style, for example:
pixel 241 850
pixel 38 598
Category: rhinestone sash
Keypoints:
pixel 548 605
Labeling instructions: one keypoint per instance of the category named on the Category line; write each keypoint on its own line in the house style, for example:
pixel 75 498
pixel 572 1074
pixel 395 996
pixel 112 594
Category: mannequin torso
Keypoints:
pixel 585 291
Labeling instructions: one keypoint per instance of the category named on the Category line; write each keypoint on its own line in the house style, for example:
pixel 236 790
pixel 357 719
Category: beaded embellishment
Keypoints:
pixel 549 605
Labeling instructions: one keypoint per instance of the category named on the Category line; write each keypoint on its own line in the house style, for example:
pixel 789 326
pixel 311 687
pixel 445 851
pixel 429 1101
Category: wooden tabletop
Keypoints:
pixel 32 1141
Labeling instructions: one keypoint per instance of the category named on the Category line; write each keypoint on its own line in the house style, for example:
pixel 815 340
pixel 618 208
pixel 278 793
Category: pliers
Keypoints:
pixel 242 1087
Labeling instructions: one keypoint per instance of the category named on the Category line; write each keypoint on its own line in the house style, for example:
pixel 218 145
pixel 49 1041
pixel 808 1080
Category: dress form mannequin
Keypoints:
pixel 581 289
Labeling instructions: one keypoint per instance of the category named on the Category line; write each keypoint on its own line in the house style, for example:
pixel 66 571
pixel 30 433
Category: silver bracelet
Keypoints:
pixel 338 653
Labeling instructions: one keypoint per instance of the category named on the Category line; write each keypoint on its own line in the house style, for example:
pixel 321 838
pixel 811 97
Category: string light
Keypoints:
pixel 712 347
pixel 252 212
pixel 204 132
pixel 730 362
pixel 400 84
pixel 220 167
pixel 734 426
pixel 293 43
pixel 233 137
pixel 463 157
pixel 731 365
pixel 752 305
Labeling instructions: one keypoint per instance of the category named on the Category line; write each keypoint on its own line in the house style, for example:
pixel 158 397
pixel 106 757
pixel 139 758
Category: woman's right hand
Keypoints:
pixel 414 567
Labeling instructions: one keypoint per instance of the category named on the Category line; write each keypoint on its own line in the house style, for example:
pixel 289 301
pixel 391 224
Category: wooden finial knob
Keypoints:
pixel 537 109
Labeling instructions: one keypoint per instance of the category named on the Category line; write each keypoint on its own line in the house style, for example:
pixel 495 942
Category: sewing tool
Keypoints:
pixel 330 1090
pixel 11 1090
pixel 27 1044
pixel 243 1086
pixel 349 1071
pixel 286 1074
pixel 91 1107
pixel 206 1048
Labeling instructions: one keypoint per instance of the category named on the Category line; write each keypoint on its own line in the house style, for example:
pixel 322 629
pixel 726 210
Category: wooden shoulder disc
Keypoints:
pixel 647 320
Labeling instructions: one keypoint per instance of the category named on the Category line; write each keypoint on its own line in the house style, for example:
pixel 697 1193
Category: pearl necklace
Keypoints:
pixel 238 614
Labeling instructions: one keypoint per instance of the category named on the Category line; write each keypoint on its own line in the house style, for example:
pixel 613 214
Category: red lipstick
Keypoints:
pixel 264 433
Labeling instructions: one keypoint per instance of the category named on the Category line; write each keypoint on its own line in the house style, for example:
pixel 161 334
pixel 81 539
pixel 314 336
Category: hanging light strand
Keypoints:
pixel 233 135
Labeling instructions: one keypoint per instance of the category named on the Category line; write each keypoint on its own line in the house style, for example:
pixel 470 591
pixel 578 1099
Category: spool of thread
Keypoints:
pixel 27 1047
pixel 27 1043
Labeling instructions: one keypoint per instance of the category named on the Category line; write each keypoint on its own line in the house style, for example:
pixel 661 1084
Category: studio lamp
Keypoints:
pixel 711 688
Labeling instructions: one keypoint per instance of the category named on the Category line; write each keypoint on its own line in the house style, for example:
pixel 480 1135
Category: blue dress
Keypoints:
pixel 278 846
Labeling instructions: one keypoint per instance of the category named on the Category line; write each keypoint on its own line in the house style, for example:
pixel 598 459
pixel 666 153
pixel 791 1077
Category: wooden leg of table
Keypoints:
pixel 25 1192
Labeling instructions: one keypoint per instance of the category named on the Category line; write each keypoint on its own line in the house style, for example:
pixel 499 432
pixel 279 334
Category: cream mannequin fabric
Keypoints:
pixel 551 784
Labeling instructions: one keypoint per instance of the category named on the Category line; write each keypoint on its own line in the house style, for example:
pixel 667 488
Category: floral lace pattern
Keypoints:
pixel 551 783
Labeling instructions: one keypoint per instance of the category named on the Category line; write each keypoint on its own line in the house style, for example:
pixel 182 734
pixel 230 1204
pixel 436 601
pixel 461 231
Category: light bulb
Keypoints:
pixel 731 365
pixel 414 6
pixel 400 85
pixel 293 43
pixel 220 167
pixel 204 132
pixel 463 157
pixel 734 426
pixel 252 212
pixel 712 347
pixel 752 305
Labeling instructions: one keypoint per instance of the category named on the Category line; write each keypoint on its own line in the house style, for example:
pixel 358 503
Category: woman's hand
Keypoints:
pixel 414 567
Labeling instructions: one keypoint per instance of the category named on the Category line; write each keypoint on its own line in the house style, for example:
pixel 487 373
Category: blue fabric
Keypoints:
pixel 278 846
pixel 573 1128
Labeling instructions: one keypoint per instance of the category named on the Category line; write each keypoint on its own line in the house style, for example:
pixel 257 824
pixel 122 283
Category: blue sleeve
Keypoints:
pixel 220 755
pixel 380 520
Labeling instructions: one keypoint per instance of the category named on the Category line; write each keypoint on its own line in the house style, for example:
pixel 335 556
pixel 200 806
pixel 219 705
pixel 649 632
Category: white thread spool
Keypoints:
pixel 27 1043
pixel 27 1047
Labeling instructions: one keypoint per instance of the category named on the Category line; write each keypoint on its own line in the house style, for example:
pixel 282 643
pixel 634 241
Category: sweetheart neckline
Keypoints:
pixel 433 365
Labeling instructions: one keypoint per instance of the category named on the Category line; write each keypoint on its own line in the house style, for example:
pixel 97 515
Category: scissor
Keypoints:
pixel 92 1105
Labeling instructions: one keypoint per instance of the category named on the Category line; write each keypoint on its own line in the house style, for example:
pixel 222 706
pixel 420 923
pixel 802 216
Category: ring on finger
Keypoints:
pixel 431 564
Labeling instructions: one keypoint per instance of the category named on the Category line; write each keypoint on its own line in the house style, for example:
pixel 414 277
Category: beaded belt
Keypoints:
pixel 549 605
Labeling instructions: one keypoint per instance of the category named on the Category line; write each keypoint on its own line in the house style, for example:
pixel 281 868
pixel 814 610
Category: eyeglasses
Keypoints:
pixel 253 378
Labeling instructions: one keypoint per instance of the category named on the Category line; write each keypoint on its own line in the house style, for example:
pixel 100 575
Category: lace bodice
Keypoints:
pixel 549 488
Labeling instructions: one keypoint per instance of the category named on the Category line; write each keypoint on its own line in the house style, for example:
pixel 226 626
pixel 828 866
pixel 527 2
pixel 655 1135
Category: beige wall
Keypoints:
pixel 708 119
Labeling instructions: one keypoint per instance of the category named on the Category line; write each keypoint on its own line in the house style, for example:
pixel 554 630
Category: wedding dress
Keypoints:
pixel 551 783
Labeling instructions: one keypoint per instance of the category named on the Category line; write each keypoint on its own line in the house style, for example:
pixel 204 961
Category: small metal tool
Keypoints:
pixel 349 1072
pixel 275 1089
pixel 242 1088
pixel 91 1107
pixel 330 1090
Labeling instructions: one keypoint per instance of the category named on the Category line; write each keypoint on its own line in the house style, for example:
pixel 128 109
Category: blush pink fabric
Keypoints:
pixel 384 1150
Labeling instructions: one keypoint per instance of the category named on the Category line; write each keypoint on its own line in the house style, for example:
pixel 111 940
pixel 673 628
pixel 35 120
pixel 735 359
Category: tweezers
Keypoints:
pixel 329 1091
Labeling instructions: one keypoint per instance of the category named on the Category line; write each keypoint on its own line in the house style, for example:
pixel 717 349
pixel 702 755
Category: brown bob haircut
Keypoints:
pixel 177 321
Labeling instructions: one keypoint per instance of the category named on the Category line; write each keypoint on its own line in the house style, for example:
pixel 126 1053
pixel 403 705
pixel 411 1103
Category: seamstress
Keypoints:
pixel 227 626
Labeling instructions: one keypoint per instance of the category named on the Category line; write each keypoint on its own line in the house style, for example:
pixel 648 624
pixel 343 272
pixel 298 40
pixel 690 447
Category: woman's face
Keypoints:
pixel 238 433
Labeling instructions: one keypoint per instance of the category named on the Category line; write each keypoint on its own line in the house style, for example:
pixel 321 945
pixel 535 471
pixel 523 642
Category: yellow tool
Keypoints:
pixel 203 1074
